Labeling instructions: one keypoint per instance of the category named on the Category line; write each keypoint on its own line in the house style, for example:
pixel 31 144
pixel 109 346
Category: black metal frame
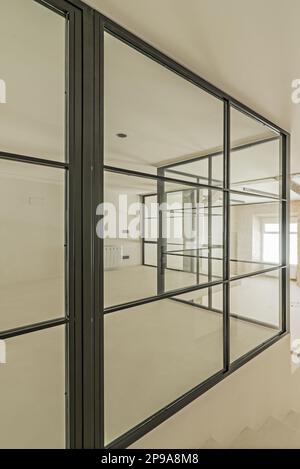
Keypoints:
pixel 85 273
pixel 229 102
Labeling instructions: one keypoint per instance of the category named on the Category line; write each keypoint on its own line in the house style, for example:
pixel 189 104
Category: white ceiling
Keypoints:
pixel 165 117
pixel 251 49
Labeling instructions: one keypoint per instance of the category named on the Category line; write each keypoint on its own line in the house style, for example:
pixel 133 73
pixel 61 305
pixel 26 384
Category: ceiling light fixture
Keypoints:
pixel 121 135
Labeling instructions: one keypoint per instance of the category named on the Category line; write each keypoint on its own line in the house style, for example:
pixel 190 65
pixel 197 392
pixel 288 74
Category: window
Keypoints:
pixel 293 243
pixel 271 242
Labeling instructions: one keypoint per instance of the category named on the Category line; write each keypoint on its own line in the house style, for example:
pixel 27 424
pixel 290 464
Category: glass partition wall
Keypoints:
pixel 191 290
pixel 38 163
pixel 144 231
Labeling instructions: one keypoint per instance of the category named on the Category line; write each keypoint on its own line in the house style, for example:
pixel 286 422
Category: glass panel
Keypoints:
pixel 151 228
pixel 32 382
pixel 202 171
pixel 190 236
pixel 153 117
pixel 271 248
pixel 123 230
pixel 255 312
pixel 32 239
pixel 255 156
pixel 195 171
pixel 150 218
pixel 181 345
pixel 196 252
pixel 32 51
pixel 293 249
pixel 150 254
pixel 251 248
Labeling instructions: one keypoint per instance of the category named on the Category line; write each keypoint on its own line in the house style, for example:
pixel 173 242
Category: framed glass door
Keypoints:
pixel 40 228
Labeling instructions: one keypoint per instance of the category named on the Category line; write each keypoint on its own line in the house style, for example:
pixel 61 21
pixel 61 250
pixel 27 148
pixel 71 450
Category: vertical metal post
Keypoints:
pixel 75 268
pixel 226 237
pixel 209 231
pixel 197 233
pixel 161 240
pixel 285 230
pixel 94 375
pixel 188 200
pixel 143 223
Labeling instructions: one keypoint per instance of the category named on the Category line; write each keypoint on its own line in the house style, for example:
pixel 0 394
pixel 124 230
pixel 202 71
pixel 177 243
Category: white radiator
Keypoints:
pixel 112 257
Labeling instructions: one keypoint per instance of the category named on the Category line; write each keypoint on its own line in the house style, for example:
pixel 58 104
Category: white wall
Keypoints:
pixel 130 247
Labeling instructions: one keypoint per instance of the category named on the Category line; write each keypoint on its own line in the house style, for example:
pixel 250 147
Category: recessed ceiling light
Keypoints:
pixel 121 135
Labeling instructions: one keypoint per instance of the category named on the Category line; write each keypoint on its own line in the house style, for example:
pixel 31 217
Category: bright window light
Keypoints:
pixel 271 243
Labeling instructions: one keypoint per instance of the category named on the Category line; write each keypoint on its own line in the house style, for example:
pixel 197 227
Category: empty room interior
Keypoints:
pixel 192 261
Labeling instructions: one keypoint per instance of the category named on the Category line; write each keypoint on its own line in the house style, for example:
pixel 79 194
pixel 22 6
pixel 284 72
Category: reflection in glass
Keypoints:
pixel 32 382
pixel 255 311
pixel 253 245
pixel 165 117
pixel 150 254
pixel 32 240
pixel 32 51
pixel 192 242
pixel 255 156
pixel 156 352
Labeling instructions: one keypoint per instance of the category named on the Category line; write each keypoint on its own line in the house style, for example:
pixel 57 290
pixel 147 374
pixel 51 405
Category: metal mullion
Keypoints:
pixel 32 160
pixel 285 231
pixel 156 177
pixel 209 232
pixel 74 147
pixel 253 194
pixel 243 146
pixel 131 172
pixel 226 238
pixel 161 240
pixel 255 273
pixel 197 232
pixel 181 173
pixel 39 326
pixel 219 311
pixel 235 104
pixel 162 296
pixel 54 5
pixel 143 197
pixel 97 245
